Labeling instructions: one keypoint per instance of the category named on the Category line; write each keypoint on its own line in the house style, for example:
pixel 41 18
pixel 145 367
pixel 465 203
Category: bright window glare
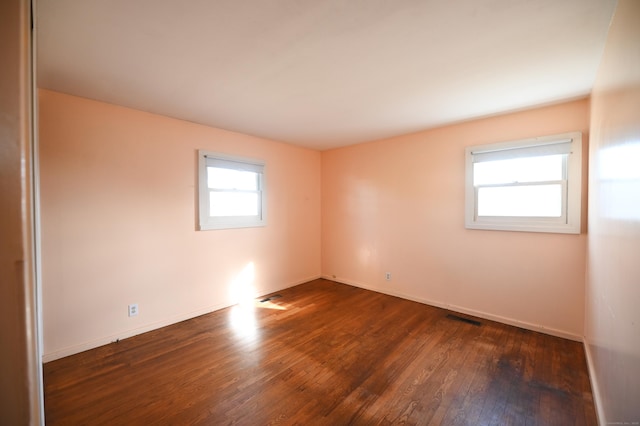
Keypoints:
pixel 220 178
pixel 620 162
pixel 521 201
pixel 529 185
pixel 231 191
pixel 233 204
pixel 525 169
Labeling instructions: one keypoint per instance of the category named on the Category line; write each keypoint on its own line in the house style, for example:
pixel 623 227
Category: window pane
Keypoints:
pixel 527 169
pixel 233 203
pixel 221 178
pixel 521 201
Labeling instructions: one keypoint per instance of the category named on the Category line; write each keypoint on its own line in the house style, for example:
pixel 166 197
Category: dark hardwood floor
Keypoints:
pixel 327 354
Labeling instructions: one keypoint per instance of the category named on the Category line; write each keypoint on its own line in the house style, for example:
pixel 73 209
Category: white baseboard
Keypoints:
pixel 92 344
pixel 85 346
pixel 595 389
pixel 461 309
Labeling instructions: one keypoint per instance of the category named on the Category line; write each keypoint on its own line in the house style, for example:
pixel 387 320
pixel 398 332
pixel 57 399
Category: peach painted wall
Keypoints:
pixel 397 206
pixel 612 318
pixel 118 194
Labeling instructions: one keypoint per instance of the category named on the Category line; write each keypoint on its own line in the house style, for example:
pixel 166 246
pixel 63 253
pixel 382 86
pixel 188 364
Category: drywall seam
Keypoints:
pixel 71 350
pixel 504 320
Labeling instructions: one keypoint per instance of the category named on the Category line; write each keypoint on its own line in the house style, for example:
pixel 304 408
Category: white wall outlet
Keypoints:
pixel 133 310
pixel 387 276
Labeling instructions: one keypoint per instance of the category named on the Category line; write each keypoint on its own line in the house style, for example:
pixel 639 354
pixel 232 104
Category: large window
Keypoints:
pixel 530 185
pixel 231 191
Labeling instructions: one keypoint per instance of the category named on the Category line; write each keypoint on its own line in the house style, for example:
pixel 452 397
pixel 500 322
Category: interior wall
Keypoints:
pixel 612 318
pixel 20 384
pixel 119 217
pixel 397 206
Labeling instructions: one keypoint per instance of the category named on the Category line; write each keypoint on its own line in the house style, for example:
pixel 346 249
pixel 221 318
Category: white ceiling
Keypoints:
pixel 322 73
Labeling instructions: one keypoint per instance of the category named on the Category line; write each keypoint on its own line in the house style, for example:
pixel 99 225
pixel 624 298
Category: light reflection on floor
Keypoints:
pixel 242 316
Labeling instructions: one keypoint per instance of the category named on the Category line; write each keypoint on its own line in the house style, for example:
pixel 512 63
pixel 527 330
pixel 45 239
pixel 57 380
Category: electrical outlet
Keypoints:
pixel 387 276
pixel 133 310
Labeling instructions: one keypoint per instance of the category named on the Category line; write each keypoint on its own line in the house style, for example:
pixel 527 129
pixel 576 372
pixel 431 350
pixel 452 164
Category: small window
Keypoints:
pixel 531 185
pixel 231 192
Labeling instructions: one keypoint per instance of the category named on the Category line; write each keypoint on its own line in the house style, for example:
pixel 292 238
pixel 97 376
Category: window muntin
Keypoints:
pixel 231 192
pixel 531 185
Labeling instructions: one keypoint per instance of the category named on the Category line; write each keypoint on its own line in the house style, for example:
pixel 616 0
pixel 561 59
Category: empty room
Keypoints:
pixel 298 212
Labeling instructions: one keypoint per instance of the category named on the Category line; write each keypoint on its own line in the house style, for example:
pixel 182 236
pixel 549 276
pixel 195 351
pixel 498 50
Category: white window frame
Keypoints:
pixel 208 222
pixel 569 222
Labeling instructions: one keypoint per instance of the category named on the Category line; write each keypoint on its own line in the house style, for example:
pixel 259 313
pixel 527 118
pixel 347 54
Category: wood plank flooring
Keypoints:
pixel 325 354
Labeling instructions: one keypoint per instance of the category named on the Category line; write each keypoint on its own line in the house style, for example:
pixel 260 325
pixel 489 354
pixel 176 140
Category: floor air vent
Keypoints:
pixel 267 299
pixel 463 319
